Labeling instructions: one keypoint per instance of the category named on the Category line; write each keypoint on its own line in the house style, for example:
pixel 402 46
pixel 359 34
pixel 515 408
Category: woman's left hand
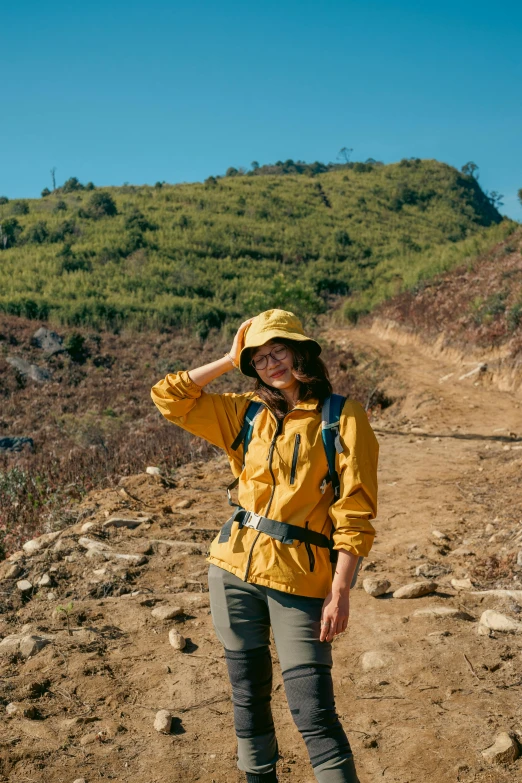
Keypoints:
pixel 334 618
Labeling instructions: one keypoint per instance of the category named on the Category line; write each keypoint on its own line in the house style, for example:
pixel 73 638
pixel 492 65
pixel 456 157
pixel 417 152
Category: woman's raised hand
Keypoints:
pixel 237 345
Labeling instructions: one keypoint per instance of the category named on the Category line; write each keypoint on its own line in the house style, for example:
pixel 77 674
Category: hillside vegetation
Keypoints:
pixel 197 255
pixel 477 304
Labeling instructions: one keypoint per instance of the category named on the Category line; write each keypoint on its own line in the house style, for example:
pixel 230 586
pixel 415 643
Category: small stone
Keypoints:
pixel 87 526
pixel 51 596
pixel 176 639
pixel 166 612
pixel 136 560
pixel 489 528
pixel 31 547
pixel 462 551
pixel 178 582
pixel 439 535
pixel 152 471
pixel 90 543
pixel 184 503
pixel 519 557
pixel 143 547
pixel 415 590
pixel 31 645
pixel 375 586
pixel 163 722
pixel 88 739
pixel 504 750
pixel 13 571
pixel 24 586
pixel 44 581
pixel 496 621
pixel 443 611
pixel 80 780
pixel 33 713
pixel 375 660
pixel 11 708
pixel 462 584
pixel 430 570
pixel 128 522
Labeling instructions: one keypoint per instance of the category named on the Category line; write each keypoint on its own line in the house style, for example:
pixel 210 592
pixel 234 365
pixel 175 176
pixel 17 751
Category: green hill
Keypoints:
pixel 197 255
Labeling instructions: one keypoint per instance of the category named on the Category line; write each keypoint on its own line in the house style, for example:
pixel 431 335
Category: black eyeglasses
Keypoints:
pixel 277 353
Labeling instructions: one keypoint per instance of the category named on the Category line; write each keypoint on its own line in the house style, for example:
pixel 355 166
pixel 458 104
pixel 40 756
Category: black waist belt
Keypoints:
pixel 281 531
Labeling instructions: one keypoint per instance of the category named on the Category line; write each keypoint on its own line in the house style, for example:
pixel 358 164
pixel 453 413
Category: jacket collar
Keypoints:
pixel 308 405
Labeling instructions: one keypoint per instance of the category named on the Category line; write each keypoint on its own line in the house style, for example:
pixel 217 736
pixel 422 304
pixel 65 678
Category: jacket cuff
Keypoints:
pixel 183 385
pixel 358 543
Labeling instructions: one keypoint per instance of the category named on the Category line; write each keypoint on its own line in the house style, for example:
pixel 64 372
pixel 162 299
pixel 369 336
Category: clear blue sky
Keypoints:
pixel 134 92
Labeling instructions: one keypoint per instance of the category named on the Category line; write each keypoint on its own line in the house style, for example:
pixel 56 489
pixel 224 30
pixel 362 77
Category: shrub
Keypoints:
pixel 136 220
pixel 4 200
pixel 101 205
pixel 514 317
pixel 71 185
pixel 20 207
pixel 76 347
pixel 62 231
pixel 10 230
pixel 45 192
pixel 38 233
pixel 71 262
pixel 60 206
pixel 90 186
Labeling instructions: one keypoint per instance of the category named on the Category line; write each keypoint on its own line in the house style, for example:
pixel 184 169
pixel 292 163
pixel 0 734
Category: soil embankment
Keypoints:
pixel 421 694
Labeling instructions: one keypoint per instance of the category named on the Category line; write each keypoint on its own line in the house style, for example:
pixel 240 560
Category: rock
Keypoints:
pixel 184 503
pixel 516 594
pixel 163 722
pixel 519 557
pixel 193 600
pixel 11 708
pixel 16 444
pixel 178 582
pixel 462 584
pixel 152 471
pixel 24 585
pixel 439 535
pixel 375 586
pixel 504 750
pixel 42 542
pixel 28 370
pixel 13 571
pixel 48 340
pixel 496 621
pixel 44 581
pixel 88 739
pixel 136 560
pixel 128 522
pixel 51 597
pixel 80 780
pixel 91 543
pixel 176 639
pixel 143 547
pixel 166 612
pixel 462 551
pixel 430 570
pixel 33 713
pixel 375 660
pixel 443 611
pixel 10 645
pixel 87 526
pixel 415 590
pixel 31 645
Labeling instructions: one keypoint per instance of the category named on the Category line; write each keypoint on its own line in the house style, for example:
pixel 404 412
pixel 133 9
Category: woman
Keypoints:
pixel 260 580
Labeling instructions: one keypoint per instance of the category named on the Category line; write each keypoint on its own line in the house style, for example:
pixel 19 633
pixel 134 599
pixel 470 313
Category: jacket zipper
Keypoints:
pixel 294 458
pixel 269 458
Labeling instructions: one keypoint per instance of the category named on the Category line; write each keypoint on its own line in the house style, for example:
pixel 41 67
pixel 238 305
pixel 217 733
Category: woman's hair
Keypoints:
pixel 310 371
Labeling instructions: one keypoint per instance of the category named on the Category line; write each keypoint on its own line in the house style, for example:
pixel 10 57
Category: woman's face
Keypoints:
pixel 279 363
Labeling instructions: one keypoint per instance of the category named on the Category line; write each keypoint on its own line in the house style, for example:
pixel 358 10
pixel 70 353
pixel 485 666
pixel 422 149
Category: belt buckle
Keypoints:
pixel 253 520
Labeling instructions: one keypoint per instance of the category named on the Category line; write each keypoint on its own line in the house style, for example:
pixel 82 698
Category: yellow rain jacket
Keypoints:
pixel 267 486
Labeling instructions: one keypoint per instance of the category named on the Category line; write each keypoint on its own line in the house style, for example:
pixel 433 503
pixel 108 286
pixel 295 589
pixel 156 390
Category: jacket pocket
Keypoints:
pixel 294 458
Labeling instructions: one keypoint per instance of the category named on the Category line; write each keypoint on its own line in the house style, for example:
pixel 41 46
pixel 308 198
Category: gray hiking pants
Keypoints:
pixel 243 614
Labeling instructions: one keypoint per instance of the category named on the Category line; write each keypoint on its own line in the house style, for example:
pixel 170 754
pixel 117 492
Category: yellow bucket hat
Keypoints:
pixel 269 326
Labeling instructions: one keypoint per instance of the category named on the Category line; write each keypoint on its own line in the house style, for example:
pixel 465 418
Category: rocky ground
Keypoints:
pixel 91 616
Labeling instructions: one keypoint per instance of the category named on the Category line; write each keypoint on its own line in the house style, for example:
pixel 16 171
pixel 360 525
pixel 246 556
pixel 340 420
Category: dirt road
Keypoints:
pixel 421 695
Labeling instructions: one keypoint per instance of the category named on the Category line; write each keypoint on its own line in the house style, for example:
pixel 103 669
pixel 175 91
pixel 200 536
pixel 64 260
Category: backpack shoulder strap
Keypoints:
pixel 244 435
pixel 331 414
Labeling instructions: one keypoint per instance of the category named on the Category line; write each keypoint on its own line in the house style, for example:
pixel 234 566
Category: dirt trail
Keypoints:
pixel 421 710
